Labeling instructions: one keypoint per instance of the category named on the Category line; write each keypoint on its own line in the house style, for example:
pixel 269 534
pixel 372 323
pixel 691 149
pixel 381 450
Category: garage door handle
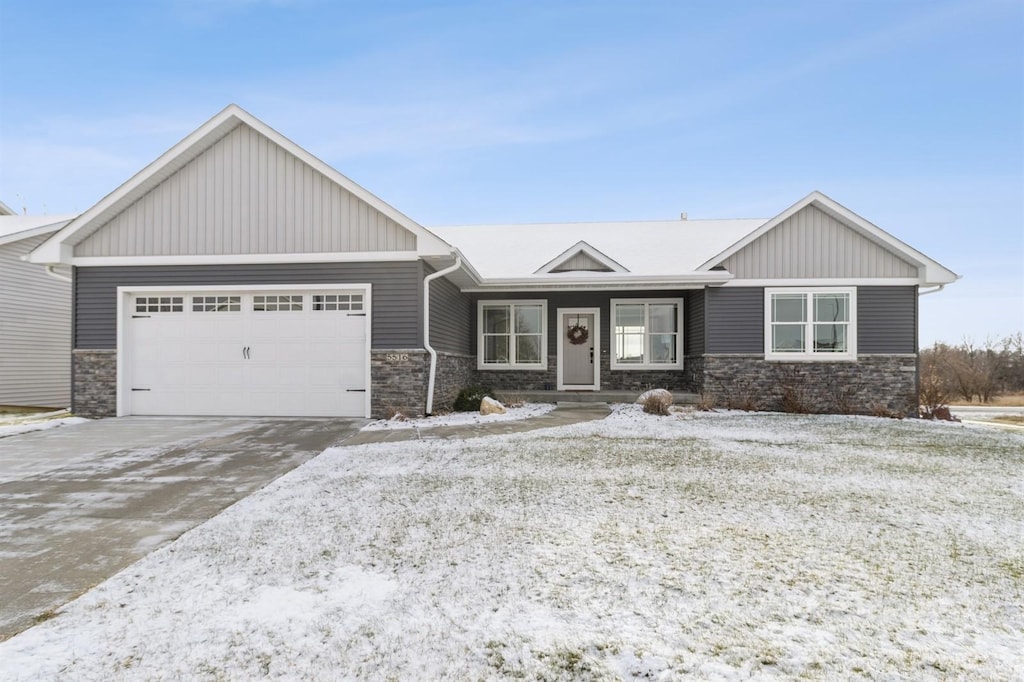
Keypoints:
pixel 245 352
pixel 356 390
pixel 142 389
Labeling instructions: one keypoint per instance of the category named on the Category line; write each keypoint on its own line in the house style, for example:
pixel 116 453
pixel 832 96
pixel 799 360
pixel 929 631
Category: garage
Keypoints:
pixel 272 351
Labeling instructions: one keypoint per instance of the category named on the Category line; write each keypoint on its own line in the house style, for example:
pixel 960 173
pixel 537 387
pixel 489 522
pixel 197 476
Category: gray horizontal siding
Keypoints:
pixel 35 331
pixel 886 320
pixel 812 243
pixel 450 318
pixel 245 194
pixel 694 329
pixel 396 299
pixel 735 320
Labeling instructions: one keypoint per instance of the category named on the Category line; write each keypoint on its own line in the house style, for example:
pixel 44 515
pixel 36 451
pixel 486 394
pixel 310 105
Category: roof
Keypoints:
pixel 5 209
pixel 59 247
pixel 642 248
pixel 668 251
pixel 14 228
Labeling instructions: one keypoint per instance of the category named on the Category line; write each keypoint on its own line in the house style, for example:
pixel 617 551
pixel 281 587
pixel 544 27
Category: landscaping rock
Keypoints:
pixel 491 406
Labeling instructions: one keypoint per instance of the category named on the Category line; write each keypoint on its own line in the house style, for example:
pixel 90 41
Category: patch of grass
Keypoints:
pixel 46 615
pixel 1015 419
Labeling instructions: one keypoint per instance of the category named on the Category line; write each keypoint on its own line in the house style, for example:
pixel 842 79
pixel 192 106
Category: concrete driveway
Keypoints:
pixel 81 502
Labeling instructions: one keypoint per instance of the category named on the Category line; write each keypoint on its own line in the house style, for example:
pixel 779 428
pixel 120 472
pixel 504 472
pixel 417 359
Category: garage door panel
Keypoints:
pixel 229 355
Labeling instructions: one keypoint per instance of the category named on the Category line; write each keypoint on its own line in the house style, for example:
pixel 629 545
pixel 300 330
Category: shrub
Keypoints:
pixel 706 402
pixel 656 401
pixel 469 398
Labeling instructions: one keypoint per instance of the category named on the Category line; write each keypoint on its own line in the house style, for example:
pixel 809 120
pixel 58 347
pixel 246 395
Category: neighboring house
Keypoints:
pixel 238 274
pixel 35 316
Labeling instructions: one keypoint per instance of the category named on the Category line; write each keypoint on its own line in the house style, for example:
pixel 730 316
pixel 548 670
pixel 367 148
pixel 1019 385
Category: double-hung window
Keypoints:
pixel 512 335
pixel 810 324
pixel 647 333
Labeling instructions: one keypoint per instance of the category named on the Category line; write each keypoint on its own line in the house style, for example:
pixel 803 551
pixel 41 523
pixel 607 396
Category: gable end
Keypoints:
pixel 814 244
pixel 246 195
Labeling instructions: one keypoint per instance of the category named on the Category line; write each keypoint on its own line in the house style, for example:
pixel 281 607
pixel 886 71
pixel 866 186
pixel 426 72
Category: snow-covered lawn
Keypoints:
pixel 18 426
pixel 696 545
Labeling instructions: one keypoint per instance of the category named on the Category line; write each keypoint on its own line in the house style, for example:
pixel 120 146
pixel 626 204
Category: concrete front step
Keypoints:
pixel 509 397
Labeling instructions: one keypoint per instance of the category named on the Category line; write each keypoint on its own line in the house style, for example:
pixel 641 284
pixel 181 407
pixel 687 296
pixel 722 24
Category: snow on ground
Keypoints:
pixel 526 411
pixel 715 546
pixel 14 429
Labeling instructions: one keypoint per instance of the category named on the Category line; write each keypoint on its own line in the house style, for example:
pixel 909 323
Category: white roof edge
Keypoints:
pixel 201 139
pixel 6 210
pixel 581 247
pixel 934 272
pixel 717 278
pixel 47 228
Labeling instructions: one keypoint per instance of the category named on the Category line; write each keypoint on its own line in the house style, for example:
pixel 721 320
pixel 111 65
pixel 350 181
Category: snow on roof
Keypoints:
pixel 659 247
pixel 12 226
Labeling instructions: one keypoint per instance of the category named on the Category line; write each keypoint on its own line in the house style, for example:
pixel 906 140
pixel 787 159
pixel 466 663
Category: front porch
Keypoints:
pixel 510 396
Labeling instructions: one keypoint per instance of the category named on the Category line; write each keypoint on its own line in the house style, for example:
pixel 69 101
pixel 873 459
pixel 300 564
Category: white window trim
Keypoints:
pixel 808 354
pixel 678 364
pixel 511 364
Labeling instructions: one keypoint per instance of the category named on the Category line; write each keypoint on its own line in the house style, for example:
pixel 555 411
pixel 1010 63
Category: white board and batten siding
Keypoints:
pixel 35 331
pixel 813 244
pixel 246 195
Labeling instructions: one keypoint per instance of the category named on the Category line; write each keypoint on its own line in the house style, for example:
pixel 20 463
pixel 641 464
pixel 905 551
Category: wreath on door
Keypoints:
pixel 578 334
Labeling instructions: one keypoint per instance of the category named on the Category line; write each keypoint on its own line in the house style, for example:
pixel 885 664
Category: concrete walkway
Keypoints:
pixel 81 502
pixel 563 415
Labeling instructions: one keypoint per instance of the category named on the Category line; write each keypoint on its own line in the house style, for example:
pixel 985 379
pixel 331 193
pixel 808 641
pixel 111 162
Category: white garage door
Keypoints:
pixel 260 353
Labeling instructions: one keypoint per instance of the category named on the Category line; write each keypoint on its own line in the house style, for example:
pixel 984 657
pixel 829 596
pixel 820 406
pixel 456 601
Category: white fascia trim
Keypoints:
pixel 934 273
pixel 124 294
pixel 825 282
pixel 622 283
pixel 28 234
pixel 251 258
pixel 194 144
pixel 584 248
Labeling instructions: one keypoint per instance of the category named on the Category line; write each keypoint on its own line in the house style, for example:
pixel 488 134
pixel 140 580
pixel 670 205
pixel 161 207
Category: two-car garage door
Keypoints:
pixel 264 352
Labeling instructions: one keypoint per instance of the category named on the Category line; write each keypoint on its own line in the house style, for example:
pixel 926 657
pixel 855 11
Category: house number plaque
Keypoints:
pixel 397 357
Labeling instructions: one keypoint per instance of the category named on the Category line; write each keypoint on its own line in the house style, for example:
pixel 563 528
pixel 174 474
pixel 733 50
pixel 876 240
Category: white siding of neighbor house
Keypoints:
pixel 246 195
pixel 813 244
pixel 35 331
pixel 581 261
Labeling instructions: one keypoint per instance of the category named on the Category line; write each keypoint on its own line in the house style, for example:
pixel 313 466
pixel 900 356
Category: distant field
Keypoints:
pixel 1009 400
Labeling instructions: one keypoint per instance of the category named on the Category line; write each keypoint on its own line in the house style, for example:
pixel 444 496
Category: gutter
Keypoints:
pixel 936 290
pixel 426 325
pixel 53 273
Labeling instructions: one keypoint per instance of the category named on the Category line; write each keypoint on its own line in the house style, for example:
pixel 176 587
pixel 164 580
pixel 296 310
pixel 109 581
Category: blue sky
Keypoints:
pixel 909 113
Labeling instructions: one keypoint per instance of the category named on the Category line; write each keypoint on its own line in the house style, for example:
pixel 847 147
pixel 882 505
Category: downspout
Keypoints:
pixel 426 325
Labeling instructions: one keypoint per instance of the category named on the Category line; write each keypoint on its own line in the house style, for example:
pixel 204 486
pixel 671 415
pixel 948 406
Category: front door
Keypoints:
pixel 579 349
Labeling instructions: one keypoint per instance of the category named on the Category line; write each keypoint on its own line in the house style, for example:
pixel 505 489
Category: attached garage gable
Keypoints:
pixel 266 351
pixel 246 194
